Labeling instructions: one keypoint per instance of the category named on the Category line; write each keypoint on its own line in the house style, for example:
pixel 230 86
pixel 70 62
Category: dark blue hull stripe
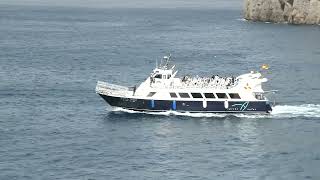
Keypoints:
pixel 187 106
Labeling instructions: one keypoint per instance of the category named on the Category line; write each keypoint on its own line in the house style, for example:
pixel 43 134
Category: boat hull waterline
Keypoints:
pixel 147 105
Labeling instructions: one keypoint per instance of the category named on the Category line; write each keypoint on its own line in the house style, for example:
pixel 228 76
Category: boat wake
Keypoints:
pixel 279 111
pixel 304 110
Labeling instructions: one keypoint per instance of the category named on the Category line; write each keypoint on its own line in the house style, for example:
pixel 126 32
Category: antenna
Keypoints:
pixel 167 60
pixel 161 63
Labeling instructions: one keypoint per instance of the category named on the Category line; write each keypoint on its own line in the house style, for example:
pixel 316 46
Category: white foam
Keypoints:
pixel 288 111
pixel 242 19
pixel 306 110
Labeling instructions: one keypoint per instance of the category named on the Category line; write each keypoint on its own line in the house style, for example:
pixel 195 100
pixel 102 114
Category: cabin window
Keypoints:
pixel 196 95
pixel 222 95
pixel 169 76
pixel 234 96
pixel 158 76
pixel 173 95
pixel 151 94
pixel 184 95
pixel 209 95
pixel 164 77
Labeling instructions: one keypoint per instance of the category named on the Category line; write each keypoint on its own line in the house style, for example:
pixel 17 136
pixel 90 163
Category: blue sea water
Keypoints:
pixel 54 126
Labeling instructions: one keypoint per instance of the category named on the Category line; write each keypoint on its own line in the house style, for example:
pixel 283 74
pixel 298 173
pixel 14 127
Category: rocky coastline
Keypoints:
pixel 283 11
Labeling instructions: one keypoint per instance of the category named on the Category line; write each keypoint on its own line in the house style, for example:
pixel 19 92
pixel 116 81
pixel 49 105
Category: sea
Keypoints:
pixel 54 126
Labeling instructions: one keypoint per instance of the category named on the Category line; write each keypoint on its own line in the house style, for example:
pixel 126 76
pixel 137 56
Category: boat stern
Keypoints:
pixel 268 107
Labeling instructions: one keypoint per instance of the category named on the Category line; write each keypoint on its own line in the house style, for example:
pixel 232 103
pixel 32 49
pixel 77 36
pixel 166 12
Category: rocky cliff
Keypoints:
pixel 291 11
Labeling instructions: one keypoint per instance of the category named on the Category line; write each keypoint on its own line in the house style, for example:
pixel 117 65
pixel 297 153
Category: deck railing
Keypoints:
pixel 112 89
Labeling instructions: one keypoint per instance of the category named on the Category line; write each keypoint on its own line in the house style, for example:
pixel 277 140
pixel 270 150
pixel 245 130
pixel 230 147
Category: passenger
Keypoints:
pixel 134 89
pixel 184 78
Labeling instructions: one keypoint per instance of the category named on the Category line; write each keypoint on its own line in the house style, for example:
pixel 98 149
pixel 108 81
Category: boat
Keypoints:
pixel 162 91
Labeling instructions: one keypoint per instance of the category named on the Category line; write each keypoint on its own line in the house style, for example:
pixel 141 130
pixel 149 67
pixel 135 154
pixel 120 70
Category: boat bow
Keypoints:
pixel 108 89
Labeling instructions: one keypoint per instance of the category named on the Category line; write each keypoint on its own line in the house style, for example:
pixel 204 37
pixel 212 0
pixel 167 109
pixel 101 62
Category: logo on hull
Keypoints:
pixel 243 106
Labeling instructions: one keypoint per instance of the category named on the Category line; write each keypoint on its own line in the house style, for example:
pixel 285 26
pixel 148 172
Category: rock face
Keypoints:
pixel 291 11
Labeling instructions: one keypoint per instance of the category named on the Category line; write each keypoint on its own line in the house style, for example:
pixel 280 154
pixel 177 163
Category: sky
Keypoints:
pixel 230 4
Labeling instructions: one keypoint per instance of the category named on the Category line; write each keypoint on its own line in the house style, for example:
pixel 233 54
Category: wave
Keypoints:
pixel 279 111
